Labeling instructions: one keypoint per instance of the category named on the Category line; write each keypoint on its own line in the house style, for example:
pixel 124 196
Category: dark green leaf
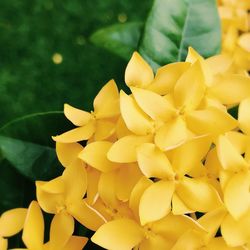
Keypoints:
pixel 120 39
pixel 37 128
pixel 173 26
pixel 34 161
pixel 15 189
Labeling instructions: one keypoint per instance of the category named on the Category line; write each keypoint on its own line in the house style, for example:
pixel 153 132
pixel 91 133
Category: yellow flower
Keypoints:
pixel 99 123
pixel 61 230
pixel 11 223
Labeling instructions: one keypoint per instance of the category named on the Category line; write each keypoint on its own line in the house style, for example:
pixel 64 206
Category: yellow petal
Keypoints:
pixel 190 153
pixel 156 242
pixel 198 195
pixel 244 116
pixel 230 89
pixel 86 215
pixel 167 76
pixel 229 157
pixel 124 150
pixel 174 226
pixel 190 88
pixel 137 192
pixel 76 243
pixel 76 116
pixel 76 134
pixel 95 155
pixel 152 204
pixel 179 207
pixel 210 121
pixel 11 221
pixel 55 186
pixel 3 244
pixel 75 181
pixel 219 243
pixel 244 41
pixel 120 234
pixel 171 135
pixel 236 194
pixel 138 72
pixel 33 231
pixel 219 63
pixel 135 119
pixel 48 201
pixel 238 140
pixel 67 153
pixel 121 129
pixel 61 229
pixel 193 56
pixel 236 233
pixel 106 189
pixel 154 105
pixel 106 103
pixel 192 239
pixel 212 164
pixel 104 129
pixel 153 162
pixel 211 221
pixel 126 179
pixel 92 185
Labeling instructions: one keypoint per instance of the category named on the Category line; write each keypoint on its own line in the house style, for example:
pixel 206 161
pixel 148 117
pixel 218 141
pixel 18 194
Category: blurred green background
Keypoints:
pixel 32 32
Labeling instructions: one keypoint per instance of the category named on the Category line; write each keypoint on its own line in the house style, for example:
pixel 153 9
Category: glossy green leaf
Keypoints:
pixel 120 39
pixel 34 161
pixel 173 26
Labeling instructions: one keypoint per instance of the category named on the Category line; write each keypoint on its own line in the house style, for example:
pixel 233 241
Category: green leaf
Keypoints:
pixel 15 189
pixel 37 128
pixel 173 26
pixel 120 39
pixel 34 161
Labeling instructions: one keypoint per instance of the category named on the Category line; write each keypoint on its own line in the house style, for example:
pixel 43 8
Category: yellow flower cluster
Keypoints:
pixel 235 19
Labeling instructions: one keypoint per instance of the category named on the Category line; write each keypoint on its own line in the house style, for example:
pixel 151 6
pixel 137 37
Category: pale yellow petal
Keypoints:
pixel 152 204
pixel 219 243
pixel 61 229
pixel 167 76
pixel 190 88
pixel 153 162
pixel 76 134
pixel 238 140
pixel 104 129
pixel 33 239
pixel 154 105
pixel 135 119
pixel 77 116
pixel 95 155
pixel 75 181
pixel 76 243
pixel 11 221
pixel 198 195
pixel 138 72
pixel 179 207
pixel 124 150
pixel 230 88
pixel 244 41
pixel 126 178
pixel 49 202
pixel 219 63
pixel 193 56
pixel 190 154
pixel 106 189
pixel 244 116
pixel 236 233
pixel 137 192
pixel 236 194
pixel 86 215
pixel 3 244
pixel 120 234
pixel 212 220
pixel 228 155
pixel 171 135
pixel 210 121
pixel 67 153
pixel 121 129
pixel 106 103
